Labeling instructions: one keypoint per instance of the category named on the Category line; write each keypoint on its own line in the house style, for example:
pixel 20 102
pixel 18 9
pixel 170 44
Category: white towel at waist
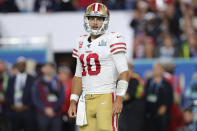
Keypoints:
pixel 81 119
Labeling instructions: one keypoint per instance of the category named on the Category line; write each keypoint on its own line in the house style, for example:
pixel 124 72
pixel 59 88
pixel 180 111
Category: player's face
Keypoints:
pixel 96 22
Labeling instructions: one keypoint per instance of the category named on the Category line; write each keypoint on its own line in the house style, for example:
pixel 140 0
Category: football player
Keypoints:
pixel 101 77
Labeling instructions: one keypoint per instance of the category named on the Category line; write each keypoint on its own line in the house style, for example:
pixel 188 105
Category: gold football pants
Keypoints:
pixel 99 113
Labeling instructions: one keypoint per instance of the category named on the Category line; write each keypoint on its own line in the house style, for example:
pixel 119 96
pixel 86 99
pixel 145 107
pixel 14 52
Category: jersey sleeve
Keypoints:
pixel 75 53
pixel 79 69
pixel 120 62
pixel 117 44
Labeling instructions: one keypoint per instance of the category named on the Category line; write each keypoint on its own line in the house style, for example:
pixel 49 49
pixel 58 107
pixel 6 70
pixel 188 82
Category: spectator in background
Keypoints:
pixel 3 87
pixel 173 21
pixel 167 49
pixel 132 115
pixel 143 46
pixel 189 125
pixel 152 25
pixel 189 48
pixel 66 5
pixel 44 6
pixel 48 97
pixel 25 5
pixel 159 98
pixel 138 22
pixel 115 4
pixel 129 4
pixel 188 11
pixel 64 74
pixel 18 99
pixel 7 6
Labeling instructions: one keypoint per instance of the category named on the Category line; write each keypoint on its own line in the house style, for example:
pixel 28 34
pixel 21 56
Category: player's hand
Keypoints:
pixel 117 107
pixel 49 112
pixel 162 110
pixel 72 112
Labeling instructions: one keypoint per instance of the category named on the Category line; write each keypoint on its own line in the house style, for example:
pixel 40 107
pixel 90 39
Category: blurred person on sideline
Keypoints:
pixel 169 75
pixel 176 119
pixel 3 87
pixel 38 70
pixel 132 115
pixel 189 123
pixel 191 95
pixel 14 70
pixel 18 98
pixel 64 74
pixel 159 98
pixel 48 97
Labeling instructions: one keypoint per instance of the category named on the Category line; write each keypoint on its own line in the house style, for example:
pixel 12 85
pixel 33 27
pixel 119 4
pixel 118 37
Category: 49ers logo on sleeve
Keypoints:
pixel 86 60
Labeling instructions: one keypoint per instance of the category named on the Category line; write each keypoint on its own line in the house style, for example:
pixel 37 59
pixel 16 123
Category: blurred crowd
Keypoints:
pixel 166 29
pixel 35 97
pixel 44 6
pixel 162 28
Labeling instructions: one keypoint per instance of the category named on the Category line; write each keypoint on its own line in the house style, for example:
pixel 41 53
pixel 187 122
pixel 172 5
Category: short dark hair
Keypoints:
pixel 53 65
pixel 187 109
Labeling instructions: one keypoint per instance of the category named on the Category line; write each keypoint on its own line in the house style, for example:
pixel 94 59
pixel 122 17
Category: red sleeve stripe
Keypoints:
pixel 118 48
pixel 98 7
pixel 75 55
pixel 75 50
pixel 94 7
pixel 117 44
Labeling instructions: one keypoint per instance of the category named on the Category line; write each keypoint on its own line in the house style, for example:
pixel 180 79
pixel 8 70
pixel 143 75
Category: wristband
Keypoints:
pixel 74 97
pixel 121 88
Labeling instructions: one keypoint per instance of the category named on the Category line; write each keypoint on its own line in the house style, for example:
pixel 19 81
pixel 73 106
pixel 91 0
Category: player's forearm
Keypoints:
pixel 76 85
pixel 76 89
pixel 124 76
pixel 122 85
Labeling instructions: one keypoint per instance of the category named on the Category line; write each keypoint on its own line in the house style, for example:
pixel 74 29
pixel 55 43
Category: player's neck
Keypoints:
pixel 93 37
